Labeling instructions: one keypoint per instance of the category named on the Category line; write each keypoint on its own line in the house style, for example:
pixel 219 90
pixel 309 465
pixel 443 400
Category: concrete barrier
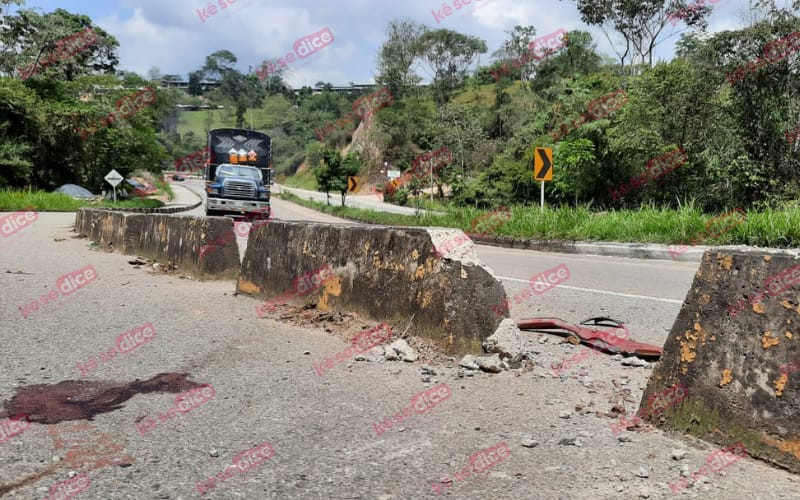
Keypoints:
pixel 385 273
pixel 733 342
pixel 164 238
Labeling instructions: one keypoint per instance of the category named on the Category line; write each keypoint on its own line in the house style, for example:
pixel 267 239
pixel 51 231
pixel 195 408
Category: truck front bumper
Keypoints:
pixel 241 206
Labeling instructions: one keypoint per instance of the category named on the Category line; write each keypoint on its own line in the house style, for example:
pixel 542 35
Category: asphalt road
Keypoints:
pixel 321 429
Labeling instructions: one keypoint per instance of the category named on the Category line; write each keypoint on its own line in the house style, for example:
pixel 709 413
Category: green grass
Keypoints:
pixel 129 203
pixel 303 180
pixel 165 188
pixel 41 201
pixel 274 109
pixel 770 228
pixel 197 121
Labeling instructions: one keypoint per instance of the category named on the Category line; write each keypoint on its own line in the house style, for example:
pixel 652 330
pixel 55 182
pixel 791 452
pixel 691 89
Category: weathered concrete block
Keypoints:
pixel 731 346
pixel 204 247
pixel 387 273
pixel 102 226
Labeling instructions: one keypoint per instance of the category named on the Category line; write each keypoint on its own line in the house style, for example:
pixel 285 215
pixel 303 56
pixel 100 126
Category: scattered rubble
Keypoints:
pixel 469 362
pixel 404 351
pixel 634 361
pixel 491 364
pixel 506 340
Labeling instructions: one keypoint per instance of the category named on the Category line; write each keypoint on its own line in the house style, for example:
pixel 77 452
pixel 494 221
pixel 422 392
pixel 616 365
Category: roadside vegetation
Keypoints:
pixel 41 201
pixel 647 224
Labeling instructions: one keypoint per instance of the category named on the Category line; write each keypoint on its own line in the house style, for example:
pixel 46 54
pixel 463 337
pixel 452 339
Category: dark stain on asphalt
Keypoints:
pixel 30 478
pixel 82 399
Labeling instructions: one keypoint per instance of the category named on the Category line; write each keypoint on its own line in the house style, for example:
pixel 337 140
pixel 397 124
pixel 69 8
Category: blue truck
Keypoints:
pixel 238 173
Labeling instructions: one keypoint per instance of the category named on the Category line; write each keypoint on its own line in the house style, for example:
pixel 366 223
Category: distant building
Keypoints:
pixel 184 84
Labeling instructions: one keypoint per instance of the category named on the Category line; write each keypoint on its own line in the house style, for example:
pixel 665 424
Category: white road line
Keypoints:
pixel 603 292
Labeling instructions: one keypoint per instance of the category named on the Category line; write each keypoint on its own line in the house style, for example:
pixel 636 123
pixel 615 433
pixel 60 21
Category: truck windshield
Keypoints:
pixel 238 171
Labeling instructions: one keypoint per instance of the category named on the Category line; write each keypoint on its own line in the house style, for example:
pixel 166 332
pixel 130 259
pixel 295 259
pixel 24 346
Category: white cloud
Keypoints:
pixel 171 35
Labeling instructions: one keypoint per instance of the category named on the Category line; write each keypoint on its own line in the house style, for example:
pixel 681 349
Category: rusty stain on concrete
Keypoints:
pixel 726 262
pixel 306 251
pixel 758 308
pixel 788 335
pixel 780 384
pixel 704 299
pixel 788 446
pixel 687 353
pixel 332 288
pixel 767 340
pixel 247 287
pixel 427 298
pixel 689 346
pixel 726 378
pixel 415 254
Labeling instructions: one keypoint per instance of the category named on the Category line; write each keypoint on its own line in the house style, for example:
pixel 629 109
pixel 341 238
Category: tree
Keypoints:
pixel 640 22
pixel 219 64
pixel 578 58
pixel 459 127
pixel 516 48
pixel 333 173
pixel 45 45
pixel 764 99
pixel 579 170
pixel 243 90
pixel 195 87
pixel 397 56
pixel 22 119
pixel 448 55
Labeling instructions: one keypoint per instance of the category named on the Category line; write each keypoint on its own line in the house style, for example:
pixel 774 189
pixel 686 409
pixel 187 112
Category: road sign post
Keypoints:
pixel 543 168
pixel 114 178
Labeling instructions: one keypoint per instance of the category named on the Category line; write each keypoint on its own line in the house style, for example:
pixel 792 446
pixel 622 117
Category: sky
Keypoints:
pixel 175 36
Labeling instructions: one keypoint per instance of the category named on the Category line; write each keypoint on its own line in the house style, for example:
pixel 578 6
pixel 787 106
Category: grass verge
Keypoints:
pixel 769 228
pixel 302 180
pixel 41 201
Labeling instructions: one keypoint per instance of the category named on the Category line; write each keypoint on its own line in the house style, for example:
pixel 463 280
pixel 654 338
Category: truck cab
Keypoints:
pixel 240 185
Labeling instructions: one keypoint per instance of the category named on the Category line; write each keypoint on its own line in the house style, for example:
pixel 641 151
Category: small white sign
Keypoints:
pixel 114 178
pixel 393 174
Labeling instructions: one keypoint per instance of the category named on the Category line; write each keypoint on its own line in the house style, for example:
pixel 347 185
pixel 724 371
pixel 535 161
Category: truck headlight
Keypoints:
pixel 263 194
pixel 212 190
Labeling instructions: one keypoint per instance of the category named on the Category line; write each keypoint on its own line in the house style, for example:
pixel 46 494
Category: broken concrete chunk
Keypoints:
pixel 634 361
pixel 469 362
pixel 491 364
pixel 506 340
pixel 404 351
